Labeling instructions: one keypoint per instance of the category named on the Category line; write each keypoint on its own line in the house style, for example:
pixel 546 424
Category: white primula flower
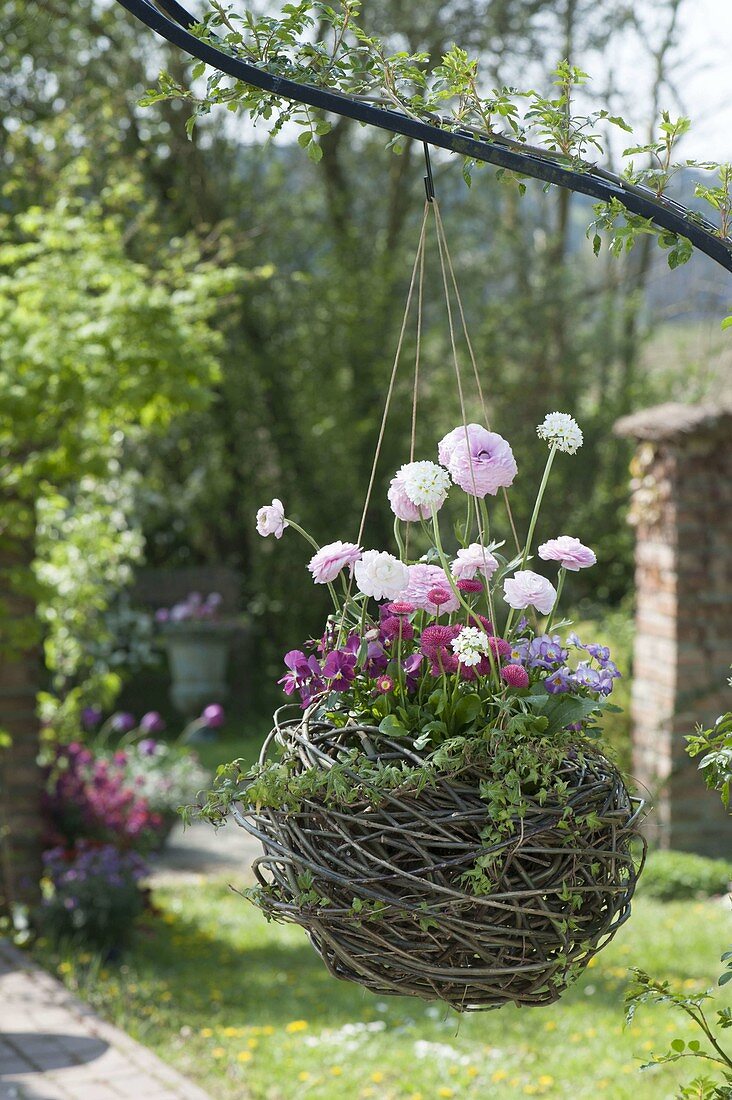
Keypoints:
pixel 381 575
pixel 560 430
pixel 471 645
pixel 425 483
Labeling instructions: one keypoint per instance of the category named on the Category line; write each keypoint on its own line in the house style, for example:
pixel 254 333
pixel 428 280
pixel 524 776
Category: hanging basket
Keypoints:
pixel 386 903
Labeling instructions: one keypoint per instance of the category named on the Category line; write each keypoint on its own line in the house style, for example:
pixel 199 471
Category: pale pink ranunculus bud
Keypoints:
pixel 329 560
pixel 474 559
pixel 271 519
pixel 569 552
pixel 529 589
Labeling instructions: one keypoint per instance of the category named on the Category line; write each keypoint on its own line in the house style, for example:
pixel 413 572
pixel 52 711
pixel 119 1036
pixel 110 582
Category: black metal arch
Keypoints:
pixel 168 19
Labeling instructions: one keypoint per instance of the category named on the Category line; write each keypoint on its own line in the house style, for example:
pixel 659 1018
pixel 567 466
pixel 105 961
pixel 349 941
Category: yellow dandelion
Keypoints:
pixel 252 1043
pixel 550 1025
pixel 472 1071
pixel 65 968
pixel 546 1080
pixel 648 1045
pixel 267 1030
pixel 244 1056
pixel 530 1090
pixel 295 1026
pixel 206 1032
pixel 230 1032
pixel 499 1075
pixel 377 1077
pixel 446 1092
pixel 591 1032
pixel 303 1075
pixel 336 1071
pixel 218 1052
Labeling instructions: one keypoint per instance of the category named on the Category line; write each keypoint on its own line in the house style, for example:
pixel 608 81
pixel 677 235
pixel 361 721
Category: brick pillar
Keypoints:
pixel 681 509
pixel 20 775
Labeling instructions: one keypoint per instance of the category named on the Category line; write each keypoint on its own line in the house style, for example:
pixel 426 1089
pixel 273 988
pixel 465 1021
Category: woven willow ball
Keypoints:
pixel 391 913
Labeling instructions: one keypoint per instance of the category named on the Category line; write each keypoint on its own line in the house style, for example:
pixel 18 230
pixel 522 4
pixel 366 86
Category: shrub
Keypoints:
pixel 675 876
pixel 91 894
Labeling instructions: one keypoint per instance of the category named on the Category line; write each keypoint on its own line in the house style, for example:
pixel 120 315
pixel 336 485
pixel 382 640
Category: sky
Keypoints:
pixel 704 80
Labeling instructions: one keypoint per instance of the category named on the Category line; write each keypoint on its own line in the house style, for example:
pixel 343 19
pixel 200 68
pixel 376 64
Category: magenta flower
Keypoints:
pixel 479 461
pixel 152 722
pixel 329 560
pixel 500 647
pixel 472 560
pixel 271 519
pixel 395 627
pixel 439 596
pixel 467 585
pixel 422 579
pixel 399 607
pixel 569 552
pixel 214 716
pixel 515 676
pixel 529 589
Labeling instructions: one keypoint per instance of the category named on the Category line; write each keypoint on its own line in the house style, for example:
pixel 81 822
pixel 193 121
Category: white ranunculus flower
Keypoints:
pixel 271 519
pixel 381 575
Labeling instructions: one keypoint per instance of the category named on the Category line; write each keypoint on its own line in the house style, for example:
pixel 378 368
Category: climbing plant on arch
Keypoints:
pixel 275 69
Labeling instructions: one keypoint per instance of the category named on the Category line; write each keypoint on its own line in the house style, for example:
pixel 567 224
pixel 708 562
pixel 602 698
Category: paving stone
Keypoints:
pixel 84 1057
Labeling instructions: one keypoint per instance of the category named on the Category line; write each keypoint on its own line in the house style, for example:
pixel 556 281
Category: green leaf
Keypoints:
pixel 466 710
pixel 562 710
pixel 727 322
pixel 392 727
pixel 678 1044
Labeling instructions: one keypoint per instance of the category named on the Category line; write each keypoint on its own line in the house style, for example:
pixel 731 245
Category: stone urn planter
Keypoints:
pixel 198 657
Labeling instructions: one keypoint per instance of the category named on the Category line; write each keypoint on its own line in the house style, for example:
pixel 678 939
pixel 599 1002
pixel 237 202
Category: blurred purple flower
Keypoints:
pixel 123 721
pixel 152 722
pixel 214 716
pixel 91 717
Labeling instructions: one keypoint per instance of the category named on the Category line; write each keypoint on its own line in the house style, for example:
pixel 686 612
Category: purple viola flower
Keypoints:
pixel 162 615
pixel 91 717
pixel 412 666
pixel 339 668
pixel 152 722
pixel 304 677
pixel 214 716
pixel 376 660
pixel 544 651
pixel 123 721
pixel 148 747
pixel 560 681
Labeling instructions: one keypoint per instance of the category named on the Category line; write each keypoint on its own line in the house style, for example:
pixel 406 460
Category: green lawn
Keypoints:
pixel 247 1010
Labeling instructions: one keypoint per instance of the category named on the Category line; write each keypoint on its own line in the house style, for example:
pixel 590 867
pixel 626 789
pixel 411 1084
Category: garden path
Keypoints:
pixel 53 1047
pixel 200 851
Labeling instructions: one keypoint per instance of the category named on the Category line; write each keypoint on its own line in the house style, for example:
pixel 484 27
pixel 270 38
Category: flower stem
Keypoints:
pixel 532 525
pixel 560 586
pixel 296 527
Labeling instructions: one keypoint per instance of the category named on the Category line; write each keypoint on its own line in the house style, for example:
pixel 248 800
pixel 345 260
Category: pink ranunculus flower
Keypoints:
pixel 329 560
pixel 569 552
pixel 401 505
pixel 381 575
pixel 423 579
pixel 271 519
pixel 529 589
pixel 474 559
pixel 479 461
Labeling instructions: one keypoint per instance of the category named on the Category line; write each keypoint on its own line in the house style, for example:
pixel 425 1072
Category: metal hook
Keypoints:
pixel 429 183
